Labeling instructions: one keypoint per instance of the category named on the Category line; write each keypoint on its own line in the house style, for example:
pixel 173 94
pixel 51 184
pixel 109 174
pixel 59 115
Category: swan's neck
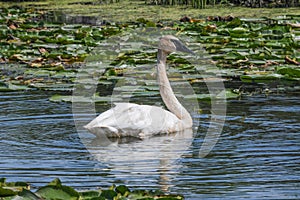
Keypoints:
pixel 167 93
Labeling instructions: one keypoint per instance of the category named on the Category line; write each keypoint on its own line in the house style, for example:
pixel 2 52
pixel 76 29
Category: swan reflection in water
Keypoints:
pixel 156 156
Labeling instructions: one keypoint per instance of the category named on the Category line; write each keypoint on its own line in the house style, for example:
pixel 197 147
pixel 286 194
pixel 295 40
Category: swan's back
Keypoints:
pixel 129 119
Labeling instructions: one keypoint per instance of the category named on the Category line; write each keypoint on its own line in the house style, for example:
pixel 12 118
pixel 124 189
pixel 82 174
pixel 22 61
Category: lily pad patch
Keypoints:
pixel 57 190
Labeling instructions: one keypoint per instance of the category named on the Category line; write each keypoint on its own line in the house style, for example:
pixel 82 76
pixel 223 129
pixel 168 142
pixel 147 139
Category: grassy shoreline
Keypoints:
pixel 127 10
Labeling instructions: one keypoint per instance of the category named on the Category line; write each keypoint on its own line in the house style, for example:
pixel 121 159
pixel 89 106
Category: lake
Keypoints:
pixel 256 157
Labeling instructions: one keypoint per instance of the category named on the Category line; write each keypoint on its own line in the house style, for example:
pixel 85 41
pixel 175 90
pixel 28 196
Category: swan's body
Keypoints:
pixel 129 119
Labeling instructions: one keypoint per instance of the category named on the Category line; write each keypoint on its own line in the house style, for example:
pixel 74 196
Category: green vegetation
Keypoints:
pixel 131 10
pixel 249 3
pixel 39 54
pixel 36 52
pixel 56 190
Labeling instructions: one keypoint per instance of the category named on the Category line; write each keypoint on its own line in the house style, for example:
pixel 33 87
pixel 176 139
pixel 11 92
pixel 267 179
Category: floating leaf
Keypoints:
pixel 7 87
pixel 234 23
pixel 28 195
pixel 225 94
pixel 53 86
pixel 64 74
pixel 90 195
pixel 108 194
pixel 289 71
pixel 269 78
pixel 55 182
pixel 72 98
pixel 6 192
pixel 122 189
pixel 60 98
pixel 14 190
pixel 55 190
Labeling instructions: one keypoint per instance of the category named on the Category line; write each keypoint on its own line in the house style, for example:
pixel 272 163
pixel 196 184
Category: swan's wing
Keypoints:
pixel 145 120
pixel 104 124
pixel 127 119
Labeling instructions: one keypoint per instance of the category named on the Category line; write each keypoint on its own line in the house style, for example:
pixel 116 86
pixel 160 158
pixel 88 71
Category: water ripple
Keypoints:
pixel 256 157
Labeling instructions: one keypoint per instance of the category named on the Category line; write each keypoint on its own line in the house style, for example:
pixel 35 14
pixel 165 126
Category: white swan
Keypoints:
pixel 142 121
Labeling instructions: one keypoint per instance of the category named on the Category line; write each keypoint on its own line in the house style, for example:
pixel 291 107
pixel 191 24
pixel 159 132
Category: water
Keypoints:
pixel 257 156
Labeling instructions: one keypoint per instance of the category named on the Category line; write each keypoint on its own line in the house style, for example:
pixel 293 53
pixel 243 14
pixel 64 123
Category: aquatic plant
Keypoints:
pixel 56 190
pixel 37 52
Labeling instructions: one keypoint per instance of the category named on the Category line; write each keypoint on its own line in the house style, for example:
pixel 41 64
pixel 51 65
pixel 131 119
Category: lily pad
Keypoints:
pixel 15 190
pixel 258 78
pixel 72 98
pixel 225 94
pixel 68 87
pixel 5 192
pixel 90 195
pixel 55 190
pixel 289 71
pixel 8 87
pixel 109 194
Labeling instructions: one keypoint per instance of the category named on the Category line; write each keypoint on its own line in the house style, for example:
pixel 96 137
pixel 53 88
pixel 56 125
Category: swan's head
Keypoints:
pixel 170 44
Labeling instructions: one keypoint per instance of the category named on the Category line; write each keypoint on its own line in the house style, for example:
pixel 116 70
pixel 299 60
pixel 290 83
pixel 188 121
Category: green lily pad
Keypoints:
pixel 8 87
pixel 225 94
pixel 27 195
pixel 68 87
pixel 288 71
pixel 90 195
pixel 6 192
pixel 72 98
pixel 55 190
pixel 145 94
pixel 64 74
pixel 108 194
pixel 15 190
pixel 122 189
pixel 40 73
pixel 60 98
pixel 257 78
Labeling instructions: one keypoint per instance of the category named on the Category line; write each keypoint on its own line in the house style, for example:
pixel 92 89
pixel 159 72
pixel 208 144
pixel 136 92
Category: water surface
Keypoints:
pixel 257 156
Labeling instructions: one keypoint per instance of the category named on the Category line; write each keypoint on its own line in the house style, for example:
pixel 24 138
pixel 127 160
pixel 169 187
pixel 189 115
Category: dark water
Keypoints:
pixel 256 157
